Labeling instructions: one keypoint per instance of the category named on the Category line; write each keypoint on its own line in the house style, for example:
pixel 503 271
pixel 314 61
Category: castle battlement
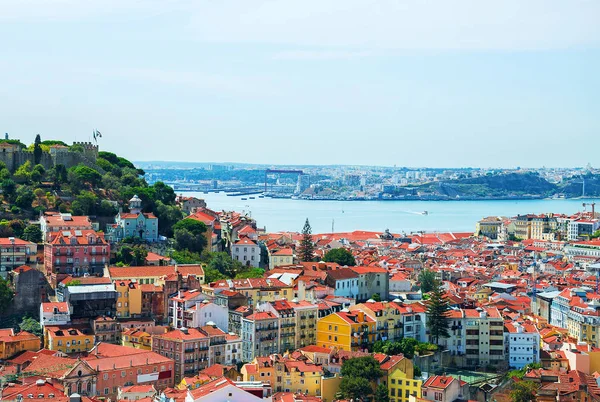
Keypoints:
pixel 14 156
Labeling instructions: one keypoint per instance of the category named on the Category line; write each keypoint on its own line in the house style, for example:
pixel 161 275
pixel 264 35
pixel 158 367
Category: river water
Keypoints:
pixel 398 216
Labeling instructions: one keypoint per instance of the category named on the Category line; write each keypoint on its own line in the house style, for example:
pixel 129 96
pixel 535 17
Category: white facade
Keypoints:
pixel 204 312
pixel 55 313
pixel 233 351
pixel 523 346
pixel 228 392
pixel 247 252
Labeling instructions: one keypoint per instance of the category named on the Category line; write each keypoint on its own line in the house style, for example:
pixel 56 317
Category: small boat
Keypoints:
pixel 244 199
pixel 252 198
pixel 424 213
pixel 261 196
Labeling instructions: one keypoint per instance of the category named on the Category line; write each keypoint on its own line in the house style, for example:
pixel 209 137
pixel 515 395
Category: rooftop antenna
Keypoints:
pixel 332 225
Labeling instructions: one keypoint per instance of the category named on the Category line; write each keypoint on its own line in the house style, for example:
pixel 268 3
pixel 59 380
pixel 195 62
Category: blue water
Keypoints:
pixel 398 216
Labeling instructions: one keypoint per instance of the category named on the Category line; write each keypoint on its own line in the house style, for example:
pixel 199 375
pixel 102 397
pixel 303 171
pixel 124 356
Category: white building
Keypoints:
pixel 523 344
pixel 55 313
pixel 224 389
pixel 233 351
pixel 246 251
pixel 205 311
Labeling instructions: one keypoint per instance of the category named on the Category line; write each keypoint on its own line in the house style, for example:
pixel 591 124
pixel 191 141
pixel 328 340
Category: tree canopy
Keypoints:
pixel 427 280
pixel 340 256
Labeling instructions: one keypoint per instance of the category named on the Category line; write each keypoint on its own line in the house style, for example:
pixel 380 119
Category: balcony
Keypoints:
pixel 302 326
pixel 311 316
pixel 204 348
pixel 311 326
pixel 191 350
pixel 218 342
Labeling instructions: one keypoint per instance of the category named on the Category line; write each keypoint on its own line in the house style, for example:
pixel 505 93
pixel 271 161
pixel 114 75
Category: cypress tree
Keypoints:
pixel 37 149
pixel 306 250
pixel 437 314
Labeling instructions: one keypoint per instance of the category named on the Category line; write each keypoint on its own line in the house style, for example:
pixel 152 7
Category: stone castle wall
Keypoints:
pixel 14 157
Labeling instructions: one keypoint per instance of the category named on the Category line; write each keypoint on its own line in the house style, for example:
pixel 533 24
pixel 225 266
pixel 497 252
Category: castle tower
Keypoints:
pixel 135 205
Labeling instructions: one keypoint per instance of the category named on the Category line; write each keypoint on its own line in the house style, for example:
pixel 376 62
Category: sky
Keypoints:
pixel 447 83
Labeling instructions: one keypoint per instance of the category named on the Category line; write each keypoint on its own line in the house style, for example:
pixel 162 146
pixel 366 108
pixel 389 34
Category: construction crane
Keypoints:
pixel 593 205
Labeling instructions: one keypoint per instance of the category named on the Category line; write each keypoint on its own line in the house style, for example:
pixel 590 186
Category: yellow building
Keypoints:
pixel 401 386
pixel 346 331
pixel 136 338
pixel 281 257
pixel 285 374
pixel 155 275
pixel 583 323
pixel 11 343
pixel 129 298
pixel 194 382
pixel 258 290
pixel 489 227
pixel 68 339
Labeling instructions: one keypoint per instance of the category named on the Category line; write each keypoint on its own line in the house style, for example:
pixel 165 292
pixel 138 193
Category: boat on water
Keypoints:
pixel 424 213
pixel 244 199
pixel 252 198
pixel 261 196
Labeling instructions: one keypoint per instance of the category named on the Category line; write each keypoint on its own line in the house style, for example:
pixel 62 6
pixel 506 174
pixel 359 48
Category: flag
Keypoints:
pixel 98 134
pixel 94 135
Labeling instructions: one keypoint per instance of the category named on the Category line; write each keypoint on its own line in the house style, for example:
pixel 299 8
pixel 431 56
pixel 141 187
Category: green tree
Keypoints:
pixel 167 217
pixel 37 149
pixel 356 388
pixel 31 325
pixel 251 273
pixel 8 188
pixel 190 234
pixel 223 263
pixel 84 203
pixel 59 175
pixel 523 391
pixel 125 255
pixel 23 173
pixel 186 257
pixel 139 256
pixel 85 174
pixel 340 256
pixel 6 295
pixel 17 226
pixel 306 249
pixel 212 275
pixel 366 367
pixel 376 297
pixel 437 314
pixel 381 394
pixel 32 233
pixel 25 197
pixel 427 280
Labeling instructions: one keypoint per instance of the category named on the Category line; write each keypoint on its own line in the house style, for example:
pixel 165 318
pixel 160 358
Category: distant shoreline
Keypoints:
pixel 429 198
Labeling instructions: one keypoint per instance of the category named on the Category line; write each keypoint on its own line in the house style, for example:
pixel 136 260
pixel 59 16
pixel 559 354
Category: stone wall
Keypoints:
pixel 14 156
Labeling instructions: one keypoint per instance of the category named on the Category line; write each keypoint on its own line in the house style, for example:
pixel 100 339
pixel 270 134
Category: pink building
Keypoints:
pixel 75 252
pixel 119 366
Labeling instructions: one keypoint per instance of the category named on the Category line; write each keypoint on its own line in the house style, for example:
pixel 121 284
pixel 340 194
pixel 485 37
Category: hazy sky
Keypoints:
pixel 405 82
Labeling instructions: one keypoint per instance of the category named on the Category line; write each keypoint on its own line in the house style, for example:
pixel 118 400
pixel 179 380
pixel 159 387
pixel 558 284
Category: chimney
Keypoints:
pixel 361 316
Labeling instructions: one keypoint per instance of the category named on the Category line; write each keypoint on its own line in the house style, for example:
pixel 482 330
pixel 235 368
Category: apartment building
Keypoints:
pixel 260 335
pixel 522 343
pixel 345 330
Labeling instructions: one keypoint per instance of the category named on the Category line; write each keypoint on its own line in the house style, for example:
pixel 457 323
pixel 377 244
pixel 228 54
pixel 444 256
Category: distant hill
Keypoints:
pixel 499 185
